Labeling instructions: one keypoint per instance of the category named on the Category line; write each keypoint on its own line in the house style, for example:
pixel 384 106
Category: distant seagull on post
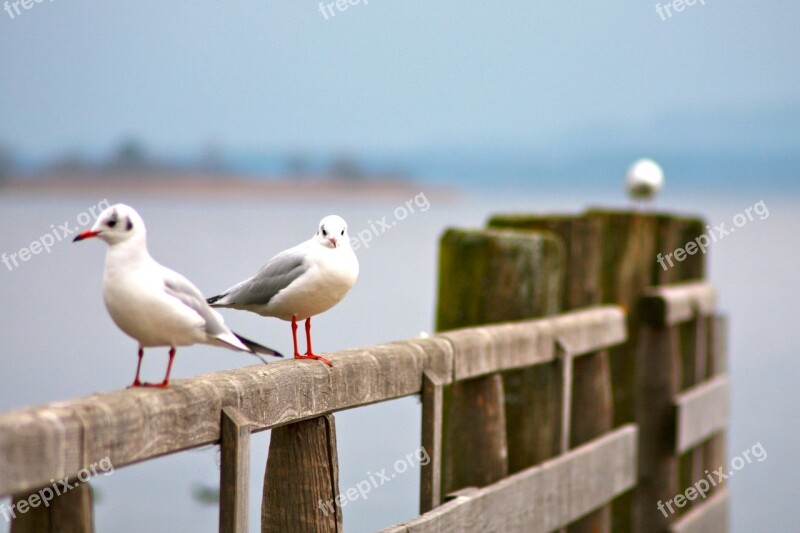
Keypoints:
pixel 644 180
pixel 151 303
pixel 300 282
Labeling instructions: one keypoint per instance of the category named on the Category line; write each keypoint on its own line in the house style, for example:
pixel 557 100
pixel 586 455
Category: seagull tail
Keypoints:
pixel 257 348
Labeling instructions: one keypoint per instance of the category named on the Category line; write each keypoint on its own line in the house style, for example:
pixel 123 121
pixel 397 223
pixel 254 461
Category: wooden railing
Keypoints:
pixel 519 418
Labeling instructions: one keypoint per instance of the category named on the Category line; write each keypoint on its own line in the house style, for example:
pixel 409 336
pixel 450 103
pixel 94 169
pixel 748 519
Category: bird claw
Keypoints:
pixel 315 357
pixel 144 385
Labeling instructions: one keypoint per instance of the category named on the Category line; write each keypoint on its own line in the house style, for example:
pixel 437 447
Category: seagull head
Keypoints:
pixel 115 224
pixel 332 232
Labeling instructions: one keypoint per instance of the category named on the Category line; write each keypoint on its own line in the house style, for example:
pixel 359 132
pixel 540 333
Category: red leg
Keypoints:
pixel 294 337
pixel 136 382
pixel 309 353
pixel 165 383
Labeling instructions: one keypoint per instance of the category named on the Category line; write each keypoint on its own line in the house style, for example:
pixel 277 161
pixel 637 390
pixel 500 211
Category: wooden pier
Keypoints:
pixel 573 386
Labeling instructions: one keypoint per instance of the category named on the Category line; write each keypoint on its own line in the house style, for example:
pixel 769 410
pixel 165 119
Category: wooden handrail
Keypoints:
pixel 57 440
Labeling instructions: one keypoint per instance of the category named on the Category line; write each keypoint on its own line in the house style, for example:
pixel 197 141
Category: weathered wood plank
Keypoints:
pixel 701 412
pixel 543 497
pixel 519 277
pixel 430 493
pixel 68 512
pixel 589 330
pixel 592 394
pixel 672 304
pixel 301 483
pixel 234 472
pixel 485 350
pixel 476 427
pixel 710 516
pixel 480 351
pixel 658 380
pixel 716 447
pixel 57 440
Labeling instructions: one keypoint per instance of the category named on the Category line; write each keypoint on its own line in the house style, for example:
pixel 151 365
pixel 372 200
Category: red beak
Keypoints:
pixel 88 234
pixel 333 240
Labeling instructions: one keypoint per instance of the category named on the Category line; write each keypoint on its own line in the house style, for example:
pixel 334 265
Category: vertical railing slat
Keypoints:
pixel 431 475
pixel 234 472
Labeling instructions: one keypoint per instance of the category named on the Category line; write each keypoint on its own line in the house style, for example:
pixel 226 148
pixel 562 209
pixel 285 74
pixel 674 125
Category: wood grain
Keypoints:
pixel 234 472
pixel 545 497
pixel 702 411
pixel 301 484
pixel 710 516
pixel 674 304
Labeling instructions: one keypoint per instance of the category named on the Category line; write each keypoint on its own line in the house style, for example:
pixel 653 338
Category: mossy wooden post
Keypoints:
pixel 301 485
pixel 71 512
pixel 487 277
pixel 592 409
pixel 673 266
pixel 631 244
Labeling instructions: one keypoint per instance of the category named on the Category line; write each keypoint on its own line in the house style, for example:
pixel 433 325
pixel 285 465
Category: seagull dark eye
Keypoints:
pixel 324 233
pixel 111 223
pixel 129 226
pixel 342 232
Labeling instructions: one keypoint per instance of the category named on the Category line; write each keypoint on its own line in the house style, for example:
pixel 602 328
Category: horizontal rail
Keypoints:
pixel 60 439
pixel 542 498
pixel 485 350
pixel 672 304
pixel 701 412
pixel 710 516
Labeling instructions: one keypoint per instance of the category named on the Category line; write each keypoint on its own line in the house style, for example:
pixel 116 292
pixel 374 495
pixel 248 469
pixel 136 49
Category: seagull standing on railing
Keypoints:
pixel 151 303
pixel 300 282
pixel 644 180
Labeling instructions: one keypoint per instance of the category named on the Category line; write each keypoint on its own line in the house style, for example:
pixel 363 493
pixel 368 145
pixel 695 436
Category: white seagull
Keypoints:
pixel 644 179
pixel 300 282
pixel 151 303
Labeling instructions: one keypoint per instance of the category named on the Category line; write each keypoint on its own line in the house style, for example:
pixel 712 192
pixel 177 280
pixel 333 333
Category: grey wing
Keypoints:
pixel 181 288
pixel 279 273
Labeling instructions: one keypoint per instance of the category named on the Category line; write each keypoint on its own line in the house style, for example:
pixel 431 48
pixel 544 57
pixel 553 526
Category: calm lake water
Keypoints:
pixel 57 342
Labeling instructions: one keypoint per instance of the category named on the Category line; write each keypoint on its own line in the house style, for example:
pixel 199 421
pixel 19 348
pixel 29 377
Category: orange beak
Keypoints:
pixel 88 234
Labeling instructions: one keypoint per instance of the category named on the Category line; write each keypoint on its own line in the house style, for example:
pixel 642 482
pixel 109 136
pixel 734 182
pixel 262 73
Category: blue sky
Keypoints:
pixel 387 76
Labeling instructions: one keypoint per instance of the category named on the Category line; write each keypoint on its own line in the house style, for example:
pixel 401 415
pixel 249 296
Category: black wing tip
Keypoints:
pixel 215 299
pixel 257 348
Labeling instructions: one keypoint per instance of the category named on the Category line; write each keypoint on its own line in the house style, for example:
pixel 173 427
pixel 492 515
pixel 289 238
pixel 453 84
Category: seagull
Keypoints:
pixel 300 282
pixel 644 179
pixel 151 303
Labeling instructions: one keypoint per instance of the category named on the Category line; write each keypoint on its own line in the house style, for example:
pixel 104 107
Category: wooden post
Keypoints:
pixel 234 472
pixel 301 484
pixel 631 262
pixel 658 371
pixel 488 277
pixel 715 449
pixel 432 404
pixel 71 512
pixel 476 435
pixel 592 395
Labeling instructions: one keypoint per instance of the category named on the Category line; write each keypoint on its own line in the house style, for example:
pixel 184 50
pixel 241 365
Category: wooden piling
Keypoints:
pixel 487 277
pixel 301 484
pixel 70 512
pixel 592 409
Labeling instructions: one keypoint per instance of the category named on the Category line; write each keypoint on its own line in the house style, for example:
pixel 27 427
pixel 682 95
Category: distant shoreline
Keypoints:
pixel 223 186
